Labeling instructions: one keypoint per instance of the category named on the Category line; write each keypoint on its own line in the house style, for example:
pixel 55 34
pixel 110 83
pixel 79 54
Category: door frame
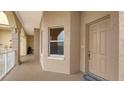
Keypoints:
pixel 87 40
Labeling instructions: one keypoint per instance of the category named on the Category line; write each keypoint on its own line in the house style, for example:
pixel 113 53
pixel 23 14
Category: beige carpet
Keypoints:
pixel 32 71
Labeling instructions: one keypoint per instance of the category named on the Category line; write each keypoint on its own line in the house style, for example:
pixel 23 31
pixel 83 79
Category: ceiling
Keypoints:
pixel 30 20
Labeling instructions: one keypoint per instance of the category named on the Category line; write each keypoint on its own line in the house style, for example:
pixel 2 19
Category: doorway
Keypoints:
pixel 98 58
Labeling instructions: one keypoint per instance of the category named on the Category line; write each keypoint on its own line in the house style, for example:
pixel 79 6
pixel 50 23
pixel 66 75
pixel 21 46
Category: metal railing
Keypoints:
pixel 7 62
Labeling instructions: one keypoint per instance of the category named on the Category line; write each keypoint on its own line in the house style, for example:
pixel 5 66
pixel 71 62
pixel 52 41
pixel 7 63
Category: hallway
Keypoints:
pixel 31 71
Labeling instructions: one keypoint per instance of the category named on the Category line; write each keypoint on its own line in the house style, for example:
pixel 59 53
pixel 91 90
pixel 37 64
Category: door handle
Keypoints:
pixel 89 54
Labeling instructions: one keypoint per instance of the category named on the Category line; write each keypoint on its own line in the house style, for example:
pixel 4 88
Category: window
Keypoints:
pixel 56 42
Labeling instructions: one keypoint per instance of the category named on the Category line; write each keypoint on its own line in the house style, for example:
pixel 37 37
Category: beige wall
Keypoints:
pixel 75 42
pixel 51 19
pixel 121 45
pixel 19 27
pixel 30 41
pixel 41 48
pixel 71 23
pixel 23 43
pixel 88 17
pixel 5 37
pixel 37 45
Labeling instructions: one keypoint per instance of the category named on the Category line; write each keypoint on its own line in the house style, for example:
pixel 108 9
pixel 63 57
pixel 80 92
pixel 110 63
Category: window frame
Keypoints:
pixel 55 56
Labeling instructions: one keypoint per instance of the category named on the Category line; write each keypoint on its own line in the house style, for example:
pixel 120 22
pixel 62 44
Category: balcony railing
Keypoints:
pixel 7 62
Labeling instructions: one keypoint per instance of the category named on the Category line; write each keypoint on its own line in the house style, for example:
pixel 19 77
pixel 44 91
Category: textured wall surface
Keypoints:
pixel 121 45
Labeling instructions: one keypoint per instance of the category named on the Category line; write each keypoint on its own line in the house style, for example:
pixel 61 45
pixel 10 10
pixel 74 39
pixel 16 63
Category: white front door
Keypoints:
pixel 98 35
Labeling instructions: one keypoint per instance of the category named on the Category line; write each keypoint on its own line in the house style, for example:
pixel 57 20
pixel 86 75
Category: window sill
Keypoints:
pixel 56 58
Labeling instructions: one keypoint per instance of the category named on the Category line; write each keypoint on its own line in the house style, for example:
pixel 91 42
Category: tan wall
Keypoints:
pixel 71 23
pixel 5 37
pixel 30 41
pixel 88 17
pixel 23 43
pixel 75 42
pixel 51 19
pixel 19 27
pixel 37 45
pixel 121 45
pixel 41 48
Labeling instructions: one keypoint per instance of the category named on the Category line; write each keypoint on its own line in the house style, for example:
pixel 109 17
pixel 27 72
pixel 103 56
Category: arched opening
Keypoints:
pixel 5 33
pixel 3 19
